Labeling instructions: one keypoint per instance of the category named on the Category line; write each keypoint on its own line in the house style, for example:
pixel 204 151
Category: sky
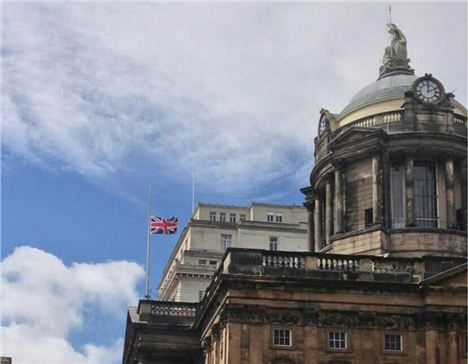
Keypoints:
pixel 99 100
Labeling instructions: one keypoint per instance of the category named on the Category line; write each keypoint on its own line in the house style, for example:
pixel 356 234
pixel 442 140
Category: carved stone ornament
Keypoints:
pixel 395 322
pixel 396 54
pixel 206 344
pixel 283 317
pixel 367 319
pixel 244 313
pixel 309 316
pixel 261 314
pixel 325 119
pixel 440 320
pixel 338 318
pixel 216 330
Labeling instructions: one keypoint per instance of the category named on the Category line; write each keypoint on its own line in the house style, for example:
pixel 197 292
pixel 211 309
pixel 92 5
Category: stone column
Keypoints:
pixel 338 201
pixel 449 185
pixel 452 352
pixel 317 226
pixel 463 175
pixel 432 347
pixel 376 190
pixel 409 167
pixel 310 226
pixel 328 211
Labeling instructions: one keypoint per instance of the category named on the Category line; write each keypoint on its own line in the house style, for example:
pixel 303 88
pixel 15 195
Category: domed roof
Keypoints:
pixel 385 88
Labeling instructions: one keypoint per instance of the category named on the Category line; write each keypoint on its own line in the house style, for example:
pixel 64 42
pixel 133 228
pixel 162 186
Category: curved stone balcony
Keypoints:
pixel 394 122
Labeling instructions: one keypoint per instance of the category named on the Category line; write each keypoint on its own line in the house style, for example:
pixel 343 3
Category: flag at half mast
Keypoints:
pixel 160 225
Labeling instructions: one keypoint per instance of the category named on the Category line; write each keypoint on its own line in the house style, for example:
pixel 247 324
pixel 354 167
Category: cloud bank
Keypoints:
pixel 46 301
pixel 231 90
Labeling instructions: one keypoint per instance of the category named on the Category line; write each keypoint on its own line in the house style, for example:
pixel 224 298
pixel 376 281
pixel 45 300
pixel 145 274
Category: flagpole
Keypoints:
pixel 193 191
pixel 147 290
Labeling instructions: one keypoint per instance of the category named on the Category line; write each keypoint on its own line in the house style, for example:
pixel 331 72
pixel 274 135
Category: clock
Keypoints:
pixel 428 90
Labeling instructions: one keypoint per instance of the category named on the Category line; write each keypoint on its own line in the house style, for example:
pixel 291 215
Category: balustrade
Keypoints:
pixel 345 264
pixel 176 309
pixel 283 261
pixel 459 119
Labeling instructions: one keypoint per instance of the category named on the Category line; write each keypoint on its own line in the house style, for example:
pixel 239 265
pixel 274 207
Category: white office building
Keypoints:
pixel 214 228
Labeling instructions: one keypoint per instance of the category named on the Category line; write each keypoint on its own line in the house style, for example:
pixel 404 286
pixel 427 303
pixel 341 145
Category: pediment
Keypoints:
pixel 453 278
pixel 355 135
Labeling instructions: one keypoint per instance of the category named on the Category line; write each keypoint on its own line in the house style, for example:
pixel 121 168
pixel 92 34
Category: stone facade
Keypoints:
pixel 311 296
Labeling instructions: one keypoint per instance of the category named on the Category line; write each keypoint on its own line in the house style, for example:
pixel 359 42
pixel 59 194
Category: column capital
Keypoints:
pixel 338 163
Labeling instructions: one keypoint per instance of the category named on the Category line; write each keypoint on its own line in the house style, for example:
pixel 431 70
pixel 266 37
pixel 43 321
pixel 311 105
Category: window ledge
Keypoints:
pixel 427 230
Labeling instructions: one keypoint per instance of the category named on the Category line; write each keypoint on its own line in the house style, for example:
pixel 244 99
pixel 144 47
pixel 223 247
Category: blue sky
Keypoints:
pixel 99 100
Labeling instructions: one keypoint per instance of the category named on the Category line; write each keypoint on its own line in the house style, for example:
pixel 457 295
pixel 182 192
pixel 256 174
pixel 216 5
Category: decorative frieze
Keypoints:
pixel 255 314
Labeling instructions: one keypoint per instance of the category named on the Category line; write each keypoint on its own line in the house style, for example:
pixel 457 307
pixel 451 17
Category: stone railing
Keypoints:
pixel 173 309
pixel 459 119
pixel 343 264
pixel 283 260
pixel 393 122
pixel 182 313
pixel 373 120
pixel 271 263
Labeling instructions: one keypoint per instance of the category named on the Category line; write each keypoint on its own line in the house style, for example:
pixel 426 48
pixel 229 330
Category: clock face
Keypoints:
pixel 428 91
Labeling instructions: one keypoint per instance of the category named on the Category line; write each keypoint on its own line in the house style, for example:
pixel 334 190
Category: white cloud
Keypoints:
pixel 44 301
pixel 233 89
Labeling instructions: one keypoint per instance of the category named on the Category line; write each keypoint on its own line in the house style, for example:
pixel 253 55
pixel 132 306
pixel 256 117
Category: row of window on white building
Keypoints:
pixel 226 242
pixel 271 217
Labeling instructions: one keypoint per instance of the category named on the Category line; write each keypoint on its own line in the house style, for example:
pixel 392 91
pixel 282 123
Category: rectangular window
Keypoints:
pixel 200 295
pixel 232 217
pixel 212 216
pixel 461 219
pixel 270 216
pixel 368 217
pixel 222 216
pixel 425 195
pixel 282 337
pixel 397 193
pixel 279 217
pixel 393 342
pixel 202 261
pixel 242 217
pixel 273 243
pixel 225 241
pixel 213 262
pixel 337 340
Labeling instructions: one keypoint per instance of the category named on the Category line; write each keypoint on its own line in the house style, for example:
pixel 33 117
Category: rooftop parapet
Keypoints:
pixel 316 267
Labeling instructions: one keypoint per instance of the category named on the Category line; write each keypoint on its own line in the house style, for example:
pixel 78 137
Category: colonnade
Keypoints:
pixel 327 207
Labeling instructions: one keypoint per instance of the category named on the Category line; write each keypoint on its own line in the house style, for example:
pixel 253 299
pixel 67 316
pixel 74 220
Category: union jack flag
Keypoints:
pixel 160 225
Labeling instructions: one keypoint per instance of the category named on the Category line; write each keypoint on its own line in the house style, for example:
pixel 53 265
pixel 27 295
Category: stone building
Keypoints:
pixel 384 278
pixel 214 228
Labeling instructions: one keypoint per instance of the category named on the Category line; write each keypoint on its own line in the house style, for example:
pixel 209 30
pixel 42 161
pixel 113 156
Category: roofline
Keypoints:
pixel 174 251
pixel 253 203
pixel 445 274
